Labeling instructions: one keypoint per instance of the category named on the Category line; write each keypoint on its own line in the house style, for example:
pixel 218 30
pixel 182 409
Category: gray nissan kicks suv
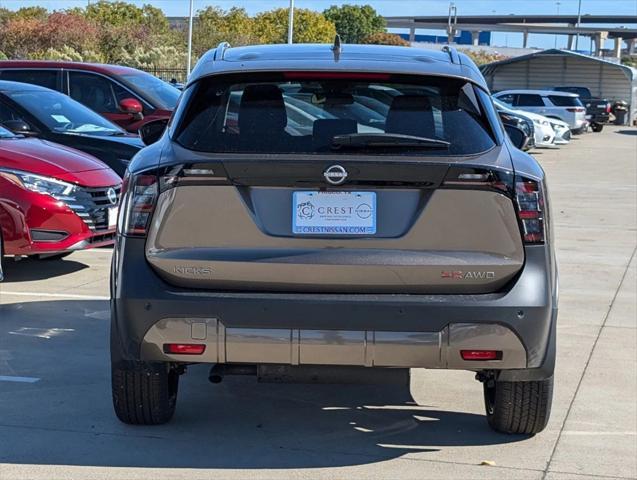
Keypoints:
pixel 317 208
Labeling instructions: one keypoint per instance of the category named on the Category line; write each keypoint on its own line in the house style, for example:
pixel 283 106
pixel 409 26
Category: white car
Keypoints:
pixel 544 132
pixel 562 131
pixel 560 105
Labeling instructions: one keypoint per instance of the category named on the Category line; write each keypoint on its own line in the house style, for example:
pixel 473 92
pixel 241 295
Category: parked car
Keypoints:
pixel 266 250
pixel 124 95
pixel 597 109
pixel 40 112
pixel 562 132
pixel 543 133
pixel 53 199
pixel 549 103
pixel 523 124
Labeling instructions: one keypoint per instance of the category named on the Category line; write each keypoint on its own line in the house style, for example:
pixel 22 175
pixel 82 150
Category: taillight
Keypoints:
pixel 468 177
pixel 576 109
pixel 530 203
pixel 139 195
pixel 608 108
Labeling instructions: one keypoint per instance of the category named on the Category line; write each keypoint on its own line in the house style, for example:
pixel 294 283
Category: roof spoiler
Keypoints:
pixel 453 54
pixel 221 50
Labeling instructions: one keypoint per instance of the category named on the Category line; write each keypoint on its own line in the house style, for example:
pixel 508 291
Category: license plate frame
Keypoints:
pixel 334 213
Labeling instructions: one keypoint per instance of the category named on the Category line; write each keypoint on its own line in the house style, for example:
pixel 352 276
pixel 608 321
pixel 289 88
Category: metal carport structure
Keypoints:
pixel 550 68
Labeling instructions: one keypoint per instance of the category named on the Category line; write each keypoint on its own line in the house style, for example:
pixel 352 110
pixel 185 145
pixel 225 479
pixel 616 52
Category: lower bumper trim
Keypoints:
pixel 284 346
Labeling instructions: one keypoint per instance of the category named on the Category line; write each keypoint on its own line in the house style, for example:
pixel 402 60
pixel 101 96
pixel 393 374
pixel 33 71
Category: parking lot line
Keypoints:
pixel 10 378
pixel 54 295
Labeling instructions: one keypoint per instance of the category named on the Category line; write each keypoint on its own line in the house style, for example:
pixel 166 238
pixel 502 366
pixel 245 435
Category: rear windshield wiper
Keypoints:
pixel 386 140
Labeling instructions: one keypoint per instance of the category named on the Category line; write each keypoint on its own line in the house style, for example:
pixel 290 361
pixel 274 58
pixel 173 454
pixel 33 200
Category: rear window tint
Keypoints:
pixel 562 101
pixel 43 78
pixel 272 114
pixel 529 100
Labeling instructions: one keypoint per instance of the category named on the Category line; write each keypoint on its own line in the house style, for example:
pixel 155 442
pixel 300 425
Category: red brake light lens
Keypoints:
pixel 184 348
pixel 530 203
pixel 576 109
pixel 481 354
pixel 139 194
pixel 336 76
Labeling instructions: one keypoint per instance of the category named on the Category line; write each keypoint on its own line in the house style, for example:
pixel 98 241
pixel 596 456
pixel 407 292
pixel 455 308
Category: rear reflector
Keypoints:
pixel 184 348
pixel 481 354
pixel 576 109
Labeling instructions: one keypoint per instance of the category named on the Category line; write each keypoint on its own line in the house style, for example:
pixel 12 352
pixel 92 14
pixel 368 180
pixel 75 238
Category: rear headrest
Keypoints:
pixel 411 115
pixel 262 109
pixel 324 130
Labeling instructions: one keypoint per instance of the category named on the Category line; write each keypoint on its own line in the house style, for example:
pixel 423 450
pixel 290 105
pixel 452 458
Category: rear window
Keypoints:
pixel 529 100
pixel 43 78
pixel 563 101
pixel 336 113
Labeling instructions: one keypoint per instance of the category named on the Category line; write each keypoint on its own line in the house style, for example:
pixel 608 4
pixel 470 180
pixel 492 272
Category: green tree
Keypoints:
pixel 155 20
pixel 117 14
pixel 384 38
pixel 215 25
pixel 309 26
pixel 39 13
pixel 355 22
pixel 5 16
pixel 480 57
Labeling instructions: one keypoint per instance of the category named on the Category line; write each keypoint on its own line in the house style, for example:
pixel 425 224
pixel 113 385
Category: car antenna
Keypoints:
pixel 336 48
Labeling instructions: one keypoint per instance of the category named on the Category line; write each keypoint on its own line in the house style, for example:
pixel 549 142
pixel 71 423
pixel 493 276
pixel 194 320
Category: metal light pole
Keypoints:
pixel 579 19
pixel 189 60
pixel 291 23
pixel 558 14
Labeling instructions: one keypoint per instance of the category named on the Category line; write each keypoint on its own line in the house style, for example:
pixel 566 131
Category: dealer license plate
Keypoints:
pixel 334 213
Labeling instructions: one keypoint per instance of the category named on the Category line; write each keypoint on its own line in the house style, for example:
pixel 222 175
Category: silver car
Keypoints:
pixel 549 103
pixel 259 245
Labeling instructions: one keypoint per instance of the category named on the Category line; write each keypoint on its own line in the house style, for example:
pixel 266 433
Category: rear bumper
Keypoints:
pixel 335 329
pixel 599 117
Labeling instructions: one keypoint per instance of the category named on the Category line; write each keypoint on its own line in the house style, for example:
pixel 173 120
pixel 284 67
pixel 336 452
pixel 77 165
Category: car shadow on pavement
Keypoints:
pixel 627 132
pixel 28 269
pixel 66 417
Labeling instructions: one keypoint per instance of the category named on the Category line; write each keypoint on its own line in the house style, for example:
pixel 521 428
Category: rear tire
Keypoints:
pixel 597 127
pixel 144 393
pixel 518 407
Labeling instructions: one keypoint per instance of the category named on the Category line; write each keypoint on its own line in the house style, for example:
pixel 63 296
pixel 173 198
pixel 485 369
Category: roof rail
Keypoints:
pixel 221 50
pixel 453 54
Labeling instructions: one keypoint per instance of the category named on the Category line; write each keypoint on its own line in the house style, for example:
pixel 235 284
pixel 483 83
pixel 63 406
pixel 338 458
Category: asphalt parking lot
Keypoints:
pixel 56 419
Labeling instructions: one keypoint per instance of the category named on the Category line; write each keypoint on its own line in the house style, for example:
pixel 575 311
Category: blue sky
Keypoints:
pixel 395 7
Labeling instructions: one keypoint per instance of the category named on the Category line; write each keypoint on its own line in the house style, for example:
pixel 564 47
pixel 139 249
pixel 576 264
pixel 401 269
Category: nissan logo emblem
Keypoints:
pixel 335 174
pixel 112 196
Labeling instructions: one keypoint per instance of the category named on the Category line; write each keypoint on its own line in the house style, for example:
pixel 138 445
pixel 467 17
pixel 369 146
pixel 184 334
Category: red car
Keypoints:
pixel 53 199
pixel 124 95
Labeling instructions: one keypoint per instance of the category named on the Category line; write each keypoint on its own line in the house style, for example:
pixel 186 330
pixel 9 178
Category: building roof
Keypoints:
pixel 490 68
pixel 351 58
